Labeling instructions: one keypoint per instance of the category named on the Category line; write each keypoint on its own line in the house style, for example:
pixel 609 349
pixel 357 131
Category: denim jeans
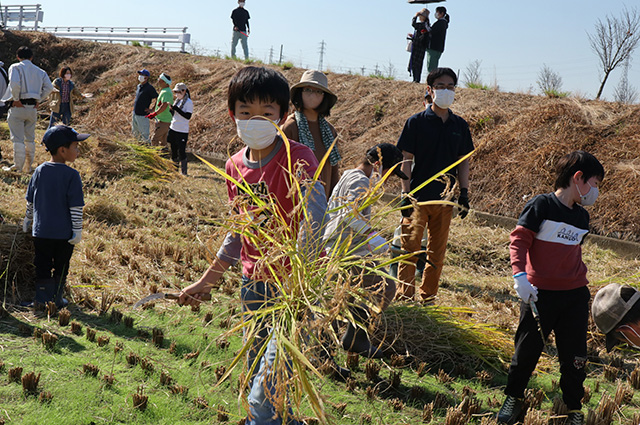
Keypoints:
pixel 62 117
pixel 237 35
pixel 256 295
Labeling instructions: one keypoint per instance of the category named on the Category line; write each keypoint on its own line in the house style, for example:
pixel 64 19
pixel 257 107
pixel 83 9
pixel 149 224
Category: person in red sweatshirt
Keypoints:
pixel 548 273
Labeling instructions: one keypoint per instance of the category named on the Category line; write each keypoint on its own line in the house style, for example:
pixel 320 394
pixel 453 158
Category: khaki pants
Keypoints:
pixel 160 134
pixel 437 219
pixel 22 127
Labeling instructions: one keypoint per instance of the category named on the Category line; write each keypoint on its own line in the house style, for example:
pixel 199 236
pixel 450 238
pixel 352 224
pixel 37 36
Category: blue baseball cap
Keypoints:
pixel 60 135
pixel 144 72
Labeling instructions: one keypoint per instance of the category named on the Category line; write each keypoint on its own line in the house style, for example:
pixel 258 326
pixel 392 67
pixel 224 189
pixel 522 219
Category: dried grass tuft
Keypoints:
pixel 372 369
pixel 76 328
pixel 140 399
pixel 158 337
pixel 103 340
pixel 49 340
pixel 45 397
pixel 223 414
pixel 17 272
pixel 63 317
pixel 30 383
pixel 624 394
pixel 15 374
pixel 165 379
pixel 91 335
pixel 90 370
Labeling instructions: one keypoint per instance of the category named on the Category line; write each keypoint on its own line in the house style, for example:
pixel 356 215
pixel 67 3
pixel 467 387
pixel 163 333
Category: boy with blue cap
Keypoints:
pixel 54 213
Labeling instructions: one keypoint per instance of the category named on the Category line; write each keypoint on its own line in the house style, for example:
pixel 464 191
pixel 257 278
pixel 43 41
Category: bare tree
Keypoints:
pixel 625 92
pixel 471 76
pixel 549 81
pixel 390 70
pixel 614 40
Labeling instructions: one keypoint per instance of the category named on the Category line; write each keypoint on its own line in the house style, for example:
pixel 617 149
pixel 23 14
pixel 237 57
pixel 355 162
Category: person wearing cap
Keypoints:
pixel 433 140
pixel 550 278
pixel 419 43
pixel 240 17
pixel 28 86
pixel 4 83
pixel 345 224
pixel 182 109
pixel 616 313
pixel 54 213
pixel 145 95
pixel 162 114
pixel 313 101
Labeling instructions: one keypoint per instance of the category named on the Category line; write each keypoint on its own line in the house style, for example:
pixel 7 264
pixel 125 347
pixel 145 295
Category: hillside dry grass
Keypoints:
pixel 148 229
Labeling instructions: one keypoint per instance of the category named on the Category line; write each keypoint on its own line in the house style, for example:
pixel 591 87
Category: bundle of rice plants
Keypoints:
pixel 17 272
pixel 310 291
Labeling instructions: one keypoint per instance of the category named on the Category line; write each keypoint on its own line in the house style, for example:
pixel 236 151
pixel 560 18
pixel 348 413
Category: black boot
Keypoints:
pixel 183 167
pixel 60 285
pixel 356 339
pixel 45 291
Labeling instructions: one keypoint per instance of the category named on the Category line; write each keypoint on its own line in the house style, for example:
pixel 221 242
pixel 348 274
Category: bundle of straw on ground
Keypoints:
pixel 17 272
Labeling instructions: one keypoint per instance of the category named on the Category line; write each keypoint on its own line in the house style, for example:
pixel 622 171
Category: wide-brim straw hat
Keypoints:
pixel 315 79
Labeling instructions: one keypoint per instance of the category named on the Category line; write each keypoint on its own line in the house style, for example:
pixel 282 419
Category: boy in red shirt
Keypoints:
pixel 548 273
pixel 263 166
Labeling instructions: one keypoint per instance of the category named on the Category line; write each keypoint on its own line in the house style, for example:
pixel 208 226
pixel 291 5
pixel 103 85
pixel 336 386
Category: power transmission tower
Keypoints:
pixel 322 50
pixel 362 70
pixel 271 55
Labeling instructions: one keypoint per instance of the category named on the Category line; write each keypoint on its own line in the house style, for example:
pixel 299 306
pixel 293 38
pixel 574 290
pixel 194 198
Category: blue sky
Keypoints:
pixel 513 39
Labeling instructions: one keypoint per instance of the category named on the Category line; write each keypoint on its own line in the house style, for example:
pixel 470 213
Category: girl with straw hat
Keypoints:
pixel 313 101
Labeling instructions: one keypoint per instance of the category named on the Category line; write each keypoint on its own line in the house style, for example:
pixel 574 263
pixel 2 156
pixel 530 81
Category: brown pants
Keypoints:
pixel 437 219
pixel 160 134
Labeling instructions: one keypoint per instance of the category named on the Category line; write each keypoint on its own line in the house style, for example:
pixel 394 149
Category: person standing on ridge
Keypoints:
pixel 438 33
pixel 145 94
pixel 240 17
pixel 28 86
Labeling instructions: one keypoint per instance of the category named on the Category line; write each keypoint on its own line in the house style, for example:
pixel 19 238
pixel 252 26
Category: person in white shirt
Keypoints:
pixel 28 86
pixel 181 110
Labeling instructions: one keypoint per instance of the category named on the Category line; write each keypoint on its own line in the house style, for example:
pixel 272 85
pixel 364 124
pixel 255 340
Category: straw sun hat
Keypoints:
pixel 315 79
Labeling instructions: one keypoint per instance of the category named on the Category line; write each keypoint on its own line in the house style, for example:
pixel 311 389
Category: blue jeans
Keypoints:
pixel 237 35
pixel 255 295
pixel 62 117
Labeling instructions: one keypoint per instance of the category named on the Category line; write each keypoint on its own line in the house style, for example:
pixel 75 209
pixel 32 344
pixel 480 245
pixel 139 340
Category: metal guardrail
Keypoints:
pixel 143 35
pixel 14 17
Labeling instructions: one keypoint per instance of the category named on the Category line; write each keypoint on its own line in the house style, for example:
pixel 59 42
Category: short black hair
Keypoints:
pixel 439 72
pixel 24 52
pixel 576 161
pixel 323 109
pixel 55 150
pixel 258 83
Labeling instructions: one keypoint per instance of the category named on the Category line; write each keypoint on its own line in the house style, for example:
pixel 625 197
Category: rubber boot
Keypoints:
pixel 356 339
pixel 19 154
pixel 60 285
pixel 45 291
pixel 183 167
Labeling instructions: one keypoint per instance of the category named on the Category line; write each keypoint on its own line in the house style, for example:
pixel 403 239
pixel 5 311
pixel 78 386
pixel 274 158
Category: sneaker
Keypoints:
pixel 576 417
pixel 512 409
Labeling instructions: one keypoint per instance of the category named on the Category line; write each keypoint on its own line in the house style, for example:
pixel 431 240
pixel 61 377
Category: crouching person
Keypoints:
pixel 348 221
pixel 54 213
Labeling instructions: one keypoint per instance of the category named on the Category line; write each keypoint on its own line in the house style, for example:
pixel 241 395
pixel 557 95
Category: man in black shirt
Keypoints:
pixel 240 18
pixel 145 95
pixel 431 141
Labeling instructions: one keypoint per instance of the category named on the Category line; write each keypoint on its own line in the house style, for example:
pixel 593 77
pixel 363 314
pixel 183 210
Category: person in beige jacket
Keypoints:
pixel 61 103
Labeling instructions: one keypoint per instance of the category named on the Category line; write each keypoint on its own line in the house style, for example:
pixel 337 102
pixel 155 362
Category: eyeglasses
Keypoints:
pixel 444 86
pixel 310 90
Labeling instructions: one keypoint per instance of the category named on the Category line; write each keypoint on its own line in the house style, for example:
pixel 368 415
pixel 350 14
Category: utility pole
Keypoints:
pixel 271 55
pixel 280 60
pixel 376 71
pixel 322 50
pixel 362 70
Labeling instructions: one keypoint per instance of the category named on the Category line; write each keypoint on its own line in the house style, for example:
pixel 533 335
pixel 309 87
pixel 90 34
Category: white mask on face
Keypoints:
pixel 443 98
pixel 241 4
pixel 588 198
pixel 67 77
pixel 256 133
pixel 141 78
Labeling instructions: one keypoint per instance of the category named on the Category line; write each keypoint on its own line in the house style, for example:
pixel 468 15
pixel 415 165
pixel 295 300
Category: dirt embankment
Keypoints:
pixel 518 137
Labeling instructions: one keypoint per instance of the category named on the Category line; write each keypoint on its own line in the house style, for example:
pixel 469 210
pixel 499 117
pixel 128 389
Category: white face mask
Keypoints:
pixel 590 197
pixel 141 78
pixel 67 76
pixel 179 95
pixel 241 4
pixel 443 98
pixel 256 133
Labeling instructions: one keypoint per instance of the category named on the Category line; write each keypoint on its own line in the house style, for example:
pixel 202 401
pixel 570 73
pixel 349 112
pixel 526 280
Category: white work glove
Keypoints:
pixel 27 225
pixel 526 291
pixel 77 237
pixel 378 244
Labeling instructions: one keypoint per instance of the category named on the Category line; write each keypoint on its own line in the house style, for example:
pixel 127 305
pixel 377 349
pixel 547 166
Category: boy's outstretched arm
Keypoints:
pixel 228 255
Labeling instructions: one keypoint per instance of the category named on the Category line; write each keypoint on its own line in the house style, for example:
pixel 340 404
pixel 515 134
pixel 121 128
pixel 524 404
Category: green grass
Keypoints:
pixel 556 93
